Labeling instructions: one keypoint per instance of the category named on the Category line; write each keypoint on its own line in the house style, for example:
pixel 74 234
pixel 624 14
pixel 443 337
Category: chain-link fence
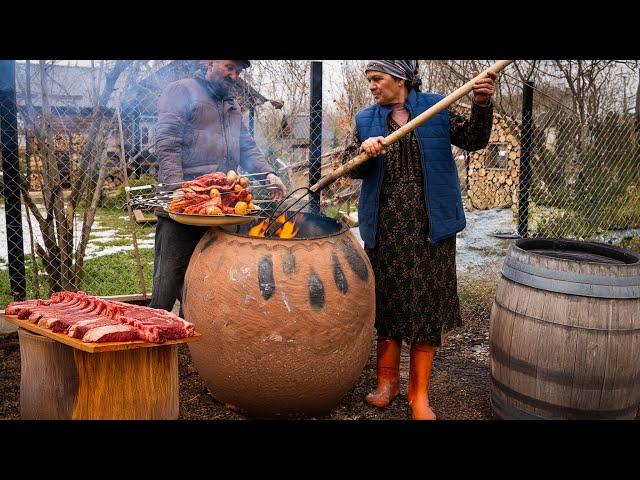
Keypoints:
pixel 584 173
pixel 85 130
pixel 562 162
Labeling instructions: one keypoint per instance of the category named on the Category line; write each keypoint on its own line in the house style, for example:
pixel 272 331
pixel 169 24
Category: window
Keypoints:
pixel 144 136
pixel 496 156
pixel 147 133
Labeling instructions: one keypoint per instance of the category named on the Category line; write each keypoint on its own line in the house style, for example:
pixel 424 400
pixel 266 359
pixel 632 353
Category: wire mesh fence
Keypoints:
pixel 584 173
pixel 565 163
pixel 85 131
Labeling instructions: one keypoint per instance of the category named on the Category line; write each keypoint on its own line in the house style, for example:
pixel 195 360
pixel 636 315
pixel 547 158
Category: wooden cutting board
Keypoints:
pixel 93 347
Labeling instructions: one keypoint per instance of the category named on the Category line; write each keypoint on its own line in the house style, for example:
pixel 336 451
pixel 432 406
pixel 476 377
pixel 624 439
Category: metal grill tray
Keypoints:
pixel 212 220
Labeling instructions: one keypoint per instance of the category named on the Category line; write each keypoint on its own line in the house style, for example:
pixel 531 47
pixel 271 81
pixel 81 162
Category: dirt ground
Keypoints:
pixel 459 383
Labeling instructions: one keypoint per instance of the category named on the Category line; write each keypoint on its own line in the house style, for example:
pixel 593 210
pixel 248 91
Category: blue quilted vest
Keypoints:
pixel 442 186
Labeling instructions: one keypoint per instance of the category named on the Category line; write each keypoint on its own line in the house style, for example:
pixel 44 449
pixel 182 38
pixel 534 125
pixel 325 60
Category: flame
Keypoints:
pixel 287 228
pixel 258 230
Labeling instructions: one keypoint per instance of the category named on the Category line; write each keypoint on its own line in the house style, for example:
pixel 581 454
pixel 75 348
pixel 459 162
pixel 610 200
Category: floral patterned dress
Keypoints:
pixel 416 283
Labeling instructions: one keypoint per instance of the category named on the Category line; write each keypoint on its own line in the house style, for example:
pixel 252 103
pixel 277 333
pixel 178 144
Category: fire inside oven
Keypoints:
pixel 304 226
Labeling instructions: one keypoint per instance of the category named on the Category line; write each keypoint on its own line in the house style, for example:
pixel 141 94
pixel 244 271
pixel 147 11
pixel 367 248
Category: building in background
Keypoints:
pixel 72 93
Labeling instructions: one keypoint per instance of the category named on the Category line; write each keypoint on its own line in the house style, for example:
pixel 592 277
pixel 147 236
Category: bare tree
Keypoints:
pixel 354 95
pixel 286 80
pixel 444 76
pixel 62 259
pixel 585 79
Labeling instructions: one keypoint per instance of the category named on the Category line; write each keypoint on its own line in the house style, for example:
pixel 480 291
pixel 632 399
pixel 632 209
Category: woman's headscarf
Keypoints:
pixel 404 69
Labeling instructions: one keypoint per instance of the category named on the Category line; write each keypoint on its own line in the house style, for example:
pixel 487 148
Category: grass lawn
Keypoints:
pixel 114 274
pixel 118 220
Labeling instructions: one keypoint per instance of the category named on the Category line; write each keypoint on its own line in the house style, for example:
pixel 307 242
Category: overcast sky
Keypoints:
pixel 330 75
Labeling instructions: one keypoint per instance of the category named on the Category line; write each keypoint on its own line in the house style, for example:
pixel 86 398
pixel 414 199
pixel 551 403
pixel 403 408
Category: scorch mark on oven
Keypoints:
pixel 338 275
pixel 266 282
pixel 212 238
pixel 316 291
pixel 355 261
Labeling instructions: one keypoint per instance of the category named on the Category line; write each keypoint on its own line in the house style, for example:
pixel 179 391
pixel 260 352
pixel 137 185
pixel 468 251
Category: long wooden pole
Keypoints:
pixel 125 176
pixel 410 126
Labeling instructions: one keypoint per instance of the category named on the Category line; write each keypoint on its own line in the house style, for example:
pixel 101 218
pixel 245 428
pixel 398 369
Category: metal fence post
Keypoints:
pixel 526 149
pixel 315 133
pixel 11 172
pixel 252 119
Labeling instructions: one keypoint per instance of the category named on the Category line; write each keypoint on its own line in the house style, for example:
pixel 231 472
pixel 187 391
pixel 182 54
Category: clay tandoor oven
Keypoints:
pixel 287 324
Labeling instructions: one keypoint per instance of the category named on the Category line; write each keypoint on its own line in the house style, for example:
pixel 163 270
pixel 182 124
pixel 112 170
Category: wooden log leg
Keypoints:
pixel 48 378
pixel 61 382
pixel 140 384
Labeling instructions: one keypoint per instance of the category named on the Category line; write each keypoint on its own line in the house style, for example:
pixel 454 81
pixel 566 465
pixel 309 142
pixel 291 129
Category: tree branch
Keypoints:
pixel 88 156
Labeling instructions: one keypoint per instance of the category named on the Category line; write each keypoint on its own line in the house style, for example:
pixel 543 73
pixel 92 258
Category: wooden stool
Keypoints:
pixel 59 381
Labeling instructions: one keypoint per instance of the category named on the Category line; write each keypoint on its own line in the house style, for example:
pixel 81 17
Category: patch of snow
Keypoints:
pixel 99 234
pixel 107 234
pixel 478 251
pixel 615 237
pixel 94 253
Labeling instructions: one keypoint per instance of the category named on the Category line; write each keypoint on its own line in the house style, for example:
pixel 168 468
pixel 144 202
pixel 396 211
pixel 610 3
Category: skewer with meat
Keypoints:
pixel 209 179
pixel 215 193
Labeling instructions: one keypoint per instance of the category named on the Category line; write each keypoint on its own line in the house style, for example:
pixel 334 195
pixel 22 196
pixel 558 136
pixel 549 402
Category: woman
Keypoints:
pixel 409 213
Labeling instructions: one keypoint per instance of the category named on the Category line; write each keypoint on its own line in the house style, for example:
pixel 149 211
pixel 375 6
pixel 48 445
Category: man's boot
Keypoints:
pixel 419 374
pixel 388 369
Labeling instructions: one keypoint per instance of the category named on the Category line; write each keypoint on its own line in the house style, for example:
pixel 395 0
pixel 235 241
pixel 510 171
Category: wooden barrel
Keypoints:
pixel 565 332
pixel 59 382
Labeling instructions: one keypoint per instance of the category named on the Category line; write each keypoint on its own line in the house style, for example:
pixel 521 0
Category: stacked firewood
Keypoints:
pixel 495 184
pixel 67 149
pixel 114 177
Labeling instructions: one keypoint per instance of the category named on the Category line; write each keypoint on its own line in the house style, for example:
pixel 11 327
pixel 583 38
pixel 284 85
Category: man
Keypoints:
pixel 199 130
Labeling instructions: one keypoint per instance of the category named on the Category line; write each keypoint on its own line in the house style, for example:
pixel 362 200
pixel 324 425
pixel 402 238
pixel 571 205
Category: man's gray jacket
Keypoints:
pixel 198 134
